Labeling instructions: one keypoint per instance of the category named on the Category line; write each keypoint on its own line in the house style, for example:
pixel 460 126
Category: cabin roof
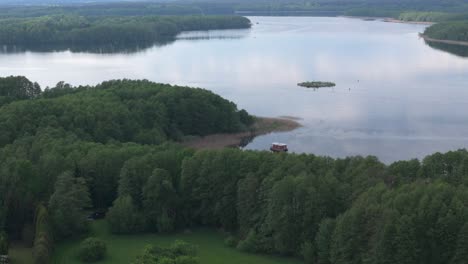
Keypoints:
pixel 278 144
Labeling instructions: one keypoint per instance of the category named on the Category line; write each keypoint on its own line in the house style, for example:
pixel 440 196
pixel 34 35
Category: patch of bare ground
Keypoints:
pixel 262 126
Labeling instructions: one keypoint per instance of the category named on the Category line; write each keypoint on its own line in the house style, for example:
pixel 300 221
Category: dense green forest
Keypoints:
pixel 70 31
pixel 113 147
pixel 457 31
pixel 387 8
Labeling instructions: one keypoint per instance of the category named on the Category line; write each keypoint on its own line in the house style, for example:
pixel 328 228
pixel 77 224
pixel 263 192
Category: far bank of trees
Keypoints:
pixel 457 30
pixel 69 30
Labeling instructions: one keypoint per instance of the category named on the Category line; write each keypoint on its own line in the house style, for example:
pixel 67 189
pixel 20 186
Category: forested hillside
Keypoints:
pixel 71 30
pixel 387 8
pixel 71 149
pixel 457 31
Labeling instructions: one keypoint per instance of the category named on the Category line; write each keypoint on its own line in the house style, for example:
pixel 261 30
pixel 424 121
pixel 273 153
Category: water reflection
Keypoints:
pixel 458 50
pixel 214 35
pixel 396 97
pixel 101 49
pixel 126 48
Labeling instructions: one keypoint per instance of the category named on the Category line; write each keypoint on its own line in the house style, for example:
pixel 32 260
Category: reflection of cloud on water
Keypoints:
pixel 385 65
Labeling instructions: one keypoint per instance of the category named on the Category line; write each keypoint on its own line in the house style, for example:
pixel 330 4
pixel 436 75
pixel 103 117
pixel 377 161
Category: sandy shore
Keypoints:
pixel 262 126
pixel 452 42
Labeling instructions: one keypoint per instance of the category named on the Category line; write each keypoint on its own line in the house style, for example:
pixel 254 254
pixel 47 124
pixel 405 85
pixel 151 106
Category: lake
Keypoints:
pixel 395 96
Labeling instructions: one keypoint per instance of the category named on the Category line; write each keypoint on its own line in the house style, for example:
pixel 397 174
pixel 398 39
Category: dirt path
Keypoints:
pixel 453 42
pixel 262 126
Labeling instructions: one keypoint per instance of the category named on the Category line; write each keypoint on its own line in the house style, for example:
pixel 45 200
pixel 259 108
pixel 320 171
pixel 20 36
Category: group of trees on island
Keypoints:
pixel 316 84
pixel 73 31
pixel 69 150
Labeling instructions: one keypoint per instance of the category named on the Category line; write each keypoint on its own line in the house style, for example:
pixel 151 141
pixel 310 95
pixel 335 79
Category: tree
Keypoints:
pixel 323 240
pixel 123 217
pixel 159 201
pixel 67 205
pixel 461 252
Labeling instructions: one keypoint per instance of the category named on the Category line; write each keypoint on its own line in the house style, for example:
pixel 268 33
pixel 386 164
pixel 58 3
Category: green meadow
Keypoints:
pixel 124 249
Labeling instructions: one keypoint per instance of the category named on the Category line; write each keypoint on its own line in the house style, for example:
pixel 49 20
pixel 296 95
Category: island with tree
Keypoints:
pixel 316 84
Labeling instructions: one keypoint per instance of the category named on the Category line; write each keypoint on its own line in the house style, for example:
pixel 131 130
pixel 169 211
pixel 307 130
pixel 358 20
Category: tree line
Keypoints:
pixel 69 30
pixel 55 168
pixel 456 30
pixel 381 8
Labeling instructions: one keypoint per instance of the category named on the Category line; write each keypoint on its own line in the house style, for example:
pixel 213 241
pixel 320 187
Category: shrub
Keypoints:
pixel 179 252
pixel 92 250
pixel 230 241
pixel 181 248
pixel 250 243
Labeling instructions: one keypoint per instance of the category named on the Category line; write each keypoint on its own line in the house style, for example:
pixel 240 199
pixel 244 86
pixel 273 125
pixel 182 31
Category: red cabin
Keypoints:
pixel 279 147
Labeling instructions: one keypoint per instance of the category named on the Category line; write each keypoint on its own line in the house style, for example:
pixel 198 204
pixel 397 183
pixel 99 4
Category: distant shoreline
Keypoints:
pixel 452 42
pixel 394 20
pixel 262 126
pixel 391 20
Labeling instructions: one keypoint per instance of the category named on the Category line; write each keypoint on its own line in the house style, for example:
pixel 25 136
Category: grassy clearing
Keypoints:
pixel 124 249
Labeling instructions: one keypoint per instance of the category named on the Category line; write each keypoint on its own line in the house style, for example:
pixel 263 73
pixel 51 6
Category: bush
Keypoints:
pixel 179 252
pixel 92 250
pixel 230 241
pixel 250 243
pixel 182 248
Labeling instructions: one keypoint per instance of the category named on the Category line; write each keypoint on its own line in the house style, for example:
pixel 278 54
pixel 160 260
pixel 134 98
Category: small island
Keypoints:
pixel 316 84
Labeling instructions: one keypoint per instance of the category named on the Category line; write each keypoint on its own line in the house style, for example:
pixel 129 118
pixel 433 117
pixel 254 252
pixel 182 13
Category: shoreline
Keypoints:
pixel 451 42
pixel 394 20
pixel 390 20
pixel 262 126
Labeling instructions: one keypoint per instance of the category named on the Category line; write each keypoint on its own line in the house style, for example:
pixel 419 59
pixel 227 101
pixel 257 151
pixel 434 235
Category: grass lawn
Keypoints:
pixel 20 254
pixel 124 249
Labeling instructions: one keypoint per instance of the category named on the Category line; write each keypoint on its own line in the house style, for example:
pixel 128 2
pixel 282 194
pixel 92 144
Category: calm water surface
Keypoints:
pixel 396 97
